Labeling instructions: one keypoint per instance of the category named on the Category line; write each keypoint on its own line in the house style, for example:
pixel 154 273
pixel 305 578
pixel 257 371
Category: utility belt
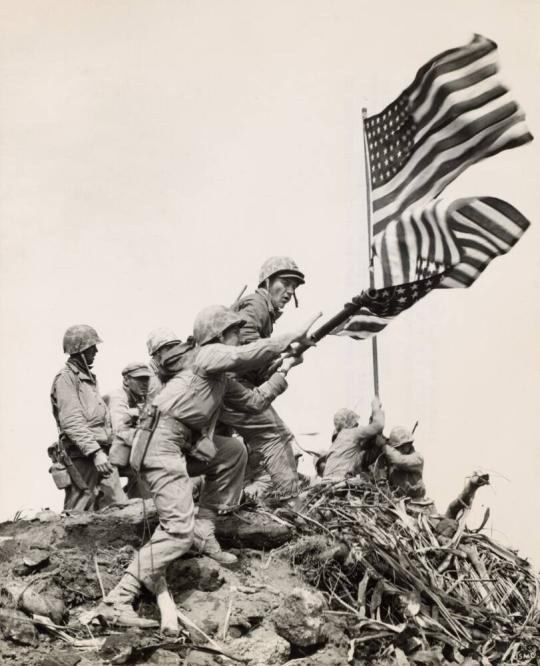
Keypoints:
pixel 152 421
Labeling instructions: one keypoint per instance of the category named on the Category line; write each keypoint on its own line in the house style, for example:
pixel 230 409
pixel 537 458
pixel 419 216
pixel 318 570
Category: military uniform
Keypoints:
pixel 124 408
pixel 265 434
pixel 346 455
pixel 191 402
pixel 83 423
pixel 404 469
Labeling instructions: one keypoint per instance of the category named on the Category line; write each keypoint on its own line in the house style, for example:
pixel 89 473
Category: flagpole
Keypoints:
pixel 374 349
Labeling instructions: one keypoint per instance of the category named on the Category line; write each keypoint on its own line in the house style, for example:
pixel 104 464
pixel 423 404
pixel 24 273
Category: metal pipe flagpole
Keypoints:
pixel 374 349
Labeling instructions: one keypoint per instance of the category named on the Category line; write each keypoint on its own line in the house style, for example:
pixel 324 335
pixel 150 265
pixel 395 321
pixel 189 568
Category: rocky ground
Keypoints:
pixel 260 611
pixel 357 577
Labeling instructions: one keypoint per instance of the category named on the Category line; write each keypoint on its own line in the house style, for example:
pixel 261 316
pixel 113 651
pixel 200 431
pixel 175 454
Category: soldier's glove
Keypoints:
pixel 101 461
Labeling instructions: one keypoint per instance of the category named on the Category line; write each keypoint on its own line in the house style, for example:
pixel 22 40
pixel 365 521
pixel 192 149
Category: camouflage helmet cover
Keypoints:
pixel 78 338
pixel 345 418
pixel 214 320
pixel 400 436
pixel 160 337
pixel 284 265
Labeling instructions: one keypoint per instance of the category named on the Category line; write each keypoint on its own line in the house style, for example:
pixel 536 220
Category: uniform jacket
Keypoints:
pixel 80 412
pixel 260 316
pixel 346 455
pixel 124 411
pixel 194 396
pixel 405 471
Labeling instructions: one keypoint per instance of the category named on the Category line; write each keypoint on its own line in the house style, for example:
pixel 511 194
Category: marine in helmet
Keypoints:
pixel 158 342
pixel 83 424
pixel 405 464
pixel 269 440
pixel 349 441
pixel 125 406
pixel 184 444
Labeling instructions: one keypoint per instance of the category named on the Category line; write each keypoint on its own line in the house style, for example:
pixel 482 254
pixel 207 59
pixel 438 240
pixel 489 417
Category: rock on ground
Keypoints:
pixel 261 647
pixel 300 618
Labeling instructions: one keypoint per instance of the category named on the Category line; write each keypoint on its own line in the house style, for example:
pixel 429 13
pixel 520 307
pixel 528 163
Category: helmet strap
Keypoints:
pixel 295 299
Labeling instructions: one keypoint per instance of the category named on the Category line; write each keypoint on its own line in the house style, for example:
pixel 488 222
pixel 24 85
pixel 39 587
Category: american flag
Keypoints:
pixel 442 246
pixel 384 305
pixel 455 113
pixel 459 237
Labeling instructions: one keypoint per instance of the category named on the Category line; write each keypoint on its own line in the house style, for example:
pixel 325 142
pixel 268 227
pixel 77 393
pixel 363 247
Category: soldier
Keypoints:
pixel 83 425
pixel 405 465
pixel 125 405
pixel 183 443
pixel 158 342
pixel 345 457
pixel 265 434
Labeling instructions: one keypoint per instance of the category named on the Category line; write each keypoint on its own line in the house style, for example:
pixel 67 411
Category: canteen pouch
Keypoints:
pixel 119 454
pixel 60 475
pixel 143 436
pixel 204 449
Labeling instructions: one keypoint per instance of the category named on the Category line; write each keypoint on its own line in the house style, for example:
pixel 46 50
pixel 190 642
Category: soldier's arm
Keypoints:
pixel 411 461
pixel 217 358
pixel 121 418
pixel 71 418
pixel 255 400
pixel 375 426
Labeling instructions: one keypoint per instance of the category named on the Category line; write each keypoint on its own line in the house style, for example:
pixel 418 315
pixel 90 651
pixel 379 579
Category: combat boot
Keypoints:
pixel 206 542
pixel 117 607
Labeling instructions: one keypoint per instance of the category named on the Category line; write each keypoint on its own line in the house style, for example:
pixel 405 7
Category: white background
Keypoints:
pixel 153 154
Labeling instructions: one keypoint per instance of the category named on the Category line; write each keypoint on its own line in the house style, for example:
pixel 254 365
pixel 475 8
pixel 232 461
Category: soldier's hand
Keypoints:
pixel 301 334
pixel 290 361
pixel 376 403
pixel 101 461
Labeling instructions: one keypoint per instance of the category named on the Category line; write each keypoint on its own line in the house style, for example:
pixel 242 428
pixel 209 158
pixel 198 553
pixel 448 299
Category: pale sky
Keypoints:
pixel 153 154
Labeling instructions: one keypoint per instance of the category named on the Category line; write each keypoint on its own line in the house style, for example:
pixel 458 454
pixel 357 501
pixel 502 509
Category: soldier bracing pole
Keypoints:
pixel 374 349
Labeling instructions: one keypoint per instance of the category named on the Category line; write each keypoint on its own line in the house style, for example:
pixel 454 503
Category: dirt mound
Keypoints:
pixel 356 577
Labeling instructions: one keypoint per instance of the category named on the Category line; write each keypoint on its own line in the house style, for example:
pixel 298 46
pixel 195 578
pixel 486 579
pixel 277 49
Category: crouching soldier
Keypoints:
pixel 349 442
pixel 125 406
pixel 183 444
pixel 405 465
pixel 83 425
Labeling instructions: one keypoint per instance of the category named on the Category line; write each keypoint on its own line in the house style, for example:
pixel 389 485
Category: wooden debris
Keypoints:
pixel 417 580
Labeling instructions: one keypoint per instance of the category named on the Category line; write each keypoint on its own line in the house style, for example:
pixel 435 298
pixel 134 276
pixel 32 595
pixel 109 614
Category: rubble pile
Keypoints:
pixel 355 577
pixel 412 584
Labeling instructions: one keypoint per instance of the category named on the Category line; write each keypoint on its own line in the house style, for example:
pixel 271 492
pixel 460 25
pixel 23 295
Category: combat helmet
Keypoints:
pixel 78 338
pixel 214 320
pixel 345 418
pixel 160 337
pixel 284 266
pixel 400 436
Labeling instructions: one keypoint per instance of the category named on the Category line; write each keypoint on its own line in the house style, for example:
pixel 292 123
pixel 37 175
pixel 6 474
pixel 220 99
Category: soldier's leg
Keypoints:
pixel 83 499
pixel 267 435
pixel 166 474
pixel 111 490
pixel 222 492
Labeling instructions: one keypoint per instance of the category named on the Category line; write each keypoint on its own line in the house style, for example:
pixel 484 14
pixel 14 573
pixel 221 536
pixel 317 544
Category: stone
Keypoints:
pixel 299 619
pixel 164 658
pixel 18 627
pixel 261 646
pixel 61 659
